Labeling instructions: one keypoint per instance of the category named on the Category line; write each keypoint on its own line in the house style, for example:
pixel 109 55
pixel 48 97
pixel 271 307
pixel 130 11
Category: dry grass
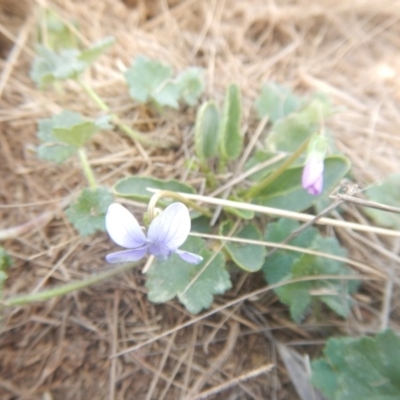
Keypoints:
pixel 61 349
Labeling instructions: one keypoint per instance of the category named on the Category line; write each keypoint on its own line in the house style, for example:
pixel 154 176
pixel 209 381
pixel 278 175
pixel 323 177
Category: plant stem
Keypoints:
pixel 277 212
pixel 94 96
pixel 67 288
pixel 167 193
pixel 115 119
pixel 133 133
pixel 256 189
pixel 87 169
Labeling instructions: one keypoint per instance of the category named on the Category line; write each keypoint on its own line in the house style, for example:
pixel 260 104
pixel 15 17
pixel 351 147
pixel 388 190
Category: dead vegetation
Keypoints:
pixel 64 348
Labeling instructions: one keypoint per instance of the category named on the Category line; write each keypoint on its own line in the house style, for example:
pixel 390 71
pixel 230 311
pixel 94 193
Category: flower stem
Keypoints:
pixel 94 96
pixel 277 212
pixel 256 189
pixel 64 289
pixel 115 119
pixel 134 134
pixel 87 169
pixel 167 193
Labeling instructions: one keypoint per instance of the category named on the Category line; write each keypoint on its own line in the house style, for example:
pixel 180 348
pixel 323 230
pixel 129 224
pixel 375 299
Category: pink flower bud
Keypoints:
pixel 313 175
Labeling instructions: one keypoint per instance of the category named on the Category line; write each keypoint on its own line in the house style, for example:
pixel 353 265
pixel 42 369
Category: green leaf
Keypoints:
pixel 191 85
pixel 298 298
pixel 65 119
pixel 249 257
pixel 318 109
pixel 76 135
pixel 175 277
pixel 324 379
pixel 289 134
pixel 62 134
pixel 231 138
pixel 3 278
pixel 59 35
pixel 135 187
pixel 279 265
pixel 145 76
pixel 201 224
pixel 151 81
pixel 278 231
pixel 167 94
pixel 364 368
pixel 259 157
pixel 5 262
pixel 5 259
pixel 51 148
pixel 87 214
pixel 104 122
pixel 49 66
pixel 55 152
pixel 207 131
pixel 287 192
pixel 244 214
pixel 388 193
pixel 90 55
pixel 276 102
pixel 288 265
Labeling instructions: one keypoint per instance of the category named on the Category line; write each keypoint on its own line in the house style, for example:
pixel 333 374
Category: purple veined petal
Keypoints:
pixel 123 227
pixel 126 255
pixel 171 228
pixel 189 257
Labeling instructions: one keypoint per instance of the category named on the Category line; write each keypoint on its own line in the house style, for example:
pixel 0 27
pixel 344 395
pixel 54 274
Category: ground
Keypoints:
pixel 64 348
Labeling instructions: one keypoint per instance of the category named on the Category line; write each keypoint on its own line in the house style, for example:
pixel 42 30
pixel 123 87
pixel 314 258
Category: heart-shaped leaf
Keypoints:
pixel 150 80
pixel 193 284
pixel 388 193
pixel 276 102
pixel 87 214
pixel 364 368
pixel 191 85
pixel 286 265
pixel 290 133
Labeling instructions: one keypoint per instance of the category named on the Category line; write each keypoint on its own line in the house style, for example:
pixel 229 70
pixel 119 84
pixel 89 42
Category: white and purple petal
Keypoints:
pixel 171 228
pixel 126 255
pixel 123 227
pixel 189 257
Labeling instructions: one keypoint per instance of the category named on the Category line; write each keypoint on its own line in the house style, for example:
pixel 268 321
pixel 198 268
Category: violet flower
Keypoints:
pixel 313 175
pixel 166 233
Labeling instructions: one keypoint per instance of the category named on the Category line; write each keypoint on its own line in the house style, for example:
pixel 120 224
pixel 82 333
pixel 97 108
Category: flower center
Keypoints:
pixel 159 251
